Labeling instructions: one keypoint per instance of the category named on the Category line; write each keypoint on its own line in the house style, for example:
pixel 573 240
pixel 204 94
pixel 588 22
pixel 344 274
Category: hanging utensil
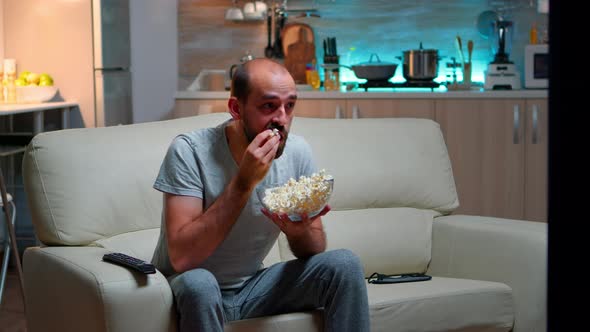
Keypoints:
pixel 469 50
pixel 268 51
pixel 279 25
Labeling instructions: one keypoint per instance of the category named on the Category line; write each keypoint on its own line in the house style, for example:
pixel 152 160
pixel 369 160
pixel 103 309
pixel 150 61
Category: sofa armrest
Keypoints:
pixel 513 252
pixel 72 289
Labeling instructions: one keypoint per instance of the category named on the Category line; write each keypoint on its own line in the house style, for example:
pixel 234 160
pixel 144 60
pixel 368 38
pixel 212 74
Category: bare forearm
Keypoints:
pixel 198 239
pixel 309 243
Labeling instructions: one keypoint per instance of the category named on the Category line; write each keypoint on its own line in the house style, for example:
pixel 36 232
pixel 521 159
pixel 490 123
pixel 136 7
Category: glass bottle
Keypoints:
pixel 533 34
pixel 10 74
pixel 312 75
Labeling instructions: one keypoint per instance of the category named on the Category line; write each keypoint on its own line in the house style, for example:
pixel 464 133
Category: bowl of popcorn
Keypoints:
pixel 309 194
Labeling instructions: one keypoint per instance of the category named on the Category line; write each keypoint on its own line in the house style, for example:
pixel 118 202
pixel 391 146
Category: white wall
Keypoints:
pixel 1 29
pixel 154 63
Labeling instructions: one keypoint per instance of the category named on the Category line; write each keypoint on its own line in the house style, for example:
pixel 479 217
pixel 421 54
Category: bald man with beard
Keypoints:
pixel 215 234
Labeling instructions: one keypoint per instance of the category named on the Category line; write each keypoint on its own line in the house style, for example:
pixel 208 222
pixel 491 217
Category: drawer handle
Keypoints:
pixel 535 124
pixel 516 124
pixel 338 112
pixel 355 112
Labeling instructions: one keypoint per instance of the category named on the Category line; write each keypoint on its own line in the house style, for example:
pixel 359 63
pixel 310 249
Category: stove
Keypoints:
pixel 407 84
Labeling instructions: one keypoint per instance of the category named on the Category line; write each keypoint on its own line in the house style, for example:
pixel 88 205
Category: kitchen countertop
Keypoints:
pixel 9 109
pixel 38 110
pixel 387 93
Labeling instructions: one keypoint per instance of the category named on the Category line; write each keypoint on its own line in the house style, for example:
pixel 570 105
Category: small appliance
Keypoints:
pixel 536 66
pixel 502 73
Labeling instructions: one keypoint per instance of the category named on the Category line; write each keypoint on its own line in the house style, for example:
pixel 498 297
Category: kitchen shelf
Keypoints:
pixel 9 150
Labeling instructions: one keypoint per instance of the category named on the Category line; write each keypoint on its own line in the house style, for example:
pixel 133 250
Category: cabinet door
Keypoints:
pixel 390 108
pixel 369 108
pixel 190 107
pixel 485 143
pixel 536 161
pixel 413 108
pixel 320 108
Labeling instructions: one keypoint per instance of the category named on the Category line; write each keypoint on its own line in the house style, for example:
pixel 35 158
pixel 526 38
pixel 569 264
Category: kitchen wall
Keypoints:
pixel 362 27
pixel 1 29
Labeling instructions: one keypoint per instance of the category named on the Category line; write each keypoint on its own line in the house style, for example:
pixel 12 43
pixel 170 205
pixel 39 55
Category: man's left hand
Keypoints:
pixel 294 228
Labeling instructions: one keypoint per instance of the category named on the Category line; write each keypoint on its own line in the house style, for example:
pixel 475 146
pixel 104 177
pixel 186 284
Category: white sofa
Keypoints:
pixel 90 192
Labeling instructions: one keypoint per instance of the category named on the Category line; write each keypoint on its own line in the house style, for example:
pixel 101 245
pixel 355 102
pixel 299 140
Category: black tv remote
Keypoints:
pixel 131 262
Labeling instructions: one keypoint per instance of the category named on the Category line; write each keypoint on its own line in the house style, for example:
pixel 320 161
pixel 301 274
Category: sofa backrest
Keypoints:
pixel 392 176
pixel 382 162
pixel 93 186
pixel 87 184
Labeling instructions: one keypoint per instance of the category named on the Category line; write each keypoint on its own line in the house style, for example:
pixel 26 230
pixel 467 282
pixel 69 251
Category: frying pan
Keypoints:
pixel 372 70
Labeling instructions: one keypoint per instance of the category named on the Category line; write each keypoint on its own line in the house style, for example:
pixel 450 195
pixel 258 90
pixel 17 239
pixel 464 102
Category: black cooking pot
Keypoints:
pixel 420 64
pixel 373 70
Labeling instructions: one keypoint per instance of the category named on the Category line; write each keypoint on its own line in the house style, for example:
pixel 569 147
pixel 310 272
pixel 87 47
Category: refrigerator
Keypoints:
pixel 112 62
pixel 84 45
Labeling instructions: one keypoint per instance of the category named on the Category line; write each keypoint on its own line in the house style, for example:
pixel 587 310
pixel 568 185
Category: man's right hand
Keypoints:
pixel 257 159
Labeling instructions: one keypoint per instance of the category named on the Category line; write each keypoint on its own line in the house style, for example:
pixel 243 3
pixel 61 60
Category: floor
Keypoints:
pixel 12 313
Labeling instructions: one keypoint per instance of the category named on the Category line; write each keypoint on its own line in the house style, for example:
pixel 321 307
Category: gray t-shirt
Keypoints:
pixel 200 164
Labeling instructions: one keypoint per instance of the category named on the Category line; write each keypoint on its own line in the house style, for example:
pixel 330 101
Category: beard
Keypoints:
pixel 251 134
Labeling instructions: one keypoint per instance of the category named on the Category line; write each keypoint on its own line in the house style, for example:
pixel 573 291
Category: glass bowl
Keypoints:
pixel 295 198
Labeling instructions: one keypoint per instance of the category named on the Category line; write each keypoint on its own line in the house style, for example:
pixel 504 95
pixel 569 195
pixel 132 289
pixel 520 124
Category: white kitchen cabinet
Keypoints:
pixel 498 169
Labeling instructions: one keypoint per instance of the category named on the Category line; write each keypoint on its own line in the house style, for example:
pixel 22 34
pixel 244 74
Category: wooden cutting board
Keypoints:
pixel 290 34
pixel 298 55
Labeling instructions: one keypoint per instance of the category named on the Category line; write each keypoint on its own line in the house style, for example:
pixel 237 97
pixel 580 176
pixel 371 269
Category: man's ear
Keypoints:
pixel 234 108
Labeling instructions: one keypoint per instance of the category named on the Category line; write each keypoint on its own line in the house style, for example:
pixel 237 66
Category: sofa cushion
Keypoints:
pixel 138 244
pixel 387 240
pixel 376 163
pixel 441 304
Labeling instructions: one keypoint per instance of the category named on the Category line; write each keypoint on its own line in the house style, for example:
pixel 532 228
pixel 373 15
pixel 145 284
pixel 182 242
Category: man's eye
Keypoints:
pixel 291 105
pixel 268 106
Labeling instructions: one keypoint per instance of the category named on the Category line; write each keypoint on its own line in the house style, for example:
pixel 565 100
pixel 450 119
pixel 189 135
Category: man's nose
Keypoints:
pixel 280 115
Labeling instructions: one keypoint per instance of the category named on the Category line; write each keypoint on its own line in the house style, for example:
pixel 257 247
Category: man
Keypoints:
pixel 215 234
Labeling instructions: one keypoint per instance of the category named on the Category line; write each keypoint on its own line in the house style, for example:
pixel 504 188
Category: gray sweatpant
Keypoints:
pixel 333 280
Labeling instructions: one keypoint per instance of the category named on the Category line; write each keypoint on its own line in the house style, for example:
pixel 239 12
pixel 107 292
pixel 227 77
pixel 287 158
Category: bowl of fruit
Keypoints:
pixel 34 88
pixel 308 195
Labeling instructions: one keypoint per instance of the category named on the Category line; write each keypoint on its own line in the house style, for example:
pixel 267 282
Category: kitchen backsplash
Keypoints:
pixel 361 27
